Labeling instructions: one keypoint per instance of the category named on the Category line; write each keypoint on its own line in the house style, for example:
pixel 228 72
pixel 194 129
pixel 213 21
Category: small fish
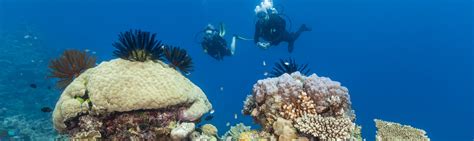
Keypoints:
pixel 35 38
pixel 221 88
pixel 286 63
pixel 235 116
pixel 212 111
pixel 26 36
pixel 209 117
pixel 94 52
pixel 264 63
pixel 265 73
pixel 87 50
pixel 46 110
pixel 227 124
pixel 34 86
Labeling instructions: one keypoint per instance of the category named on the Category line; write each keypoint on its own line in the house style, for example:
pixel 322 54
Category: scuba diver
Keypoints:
pixel 271 27
pixel 214 44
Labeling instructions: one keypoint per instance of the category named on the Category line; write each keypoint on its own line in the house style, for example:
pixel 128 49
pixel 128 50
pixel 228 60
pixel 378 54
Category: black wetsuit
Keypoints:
pixel 216 47
pixel 273 30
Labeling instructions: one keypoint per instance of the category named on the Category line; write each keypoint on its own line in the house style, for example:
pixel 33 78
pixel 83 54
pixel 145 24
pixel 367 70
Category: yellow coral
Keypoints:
pixel 298 107
pixel 248 135
pixel 209 130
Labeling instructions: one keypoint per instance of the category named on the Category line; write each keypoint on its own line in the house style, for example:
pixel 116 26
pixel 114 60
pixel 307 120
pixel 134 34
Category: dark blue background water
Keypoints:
pixel 404 61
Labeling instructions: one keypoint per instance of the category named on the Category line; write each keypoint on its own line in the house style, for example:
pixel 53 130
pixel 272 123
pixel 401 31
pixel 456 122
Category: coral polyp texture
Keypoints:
pixel 288 66
pixel 302 100
pixel 178 59
pixel 390 131
pixel 125 99
pixel 326 128
pixel 137 45
pixel 69 66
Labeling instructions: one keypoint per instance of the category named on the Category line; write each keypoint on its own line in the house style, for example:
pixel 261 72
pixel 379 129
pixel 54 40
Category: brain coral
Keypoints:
pixel 121 86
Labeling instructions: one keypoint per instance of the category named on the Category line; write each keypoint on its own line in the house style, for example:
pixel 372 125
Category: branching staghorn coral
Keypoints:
pixel 325 128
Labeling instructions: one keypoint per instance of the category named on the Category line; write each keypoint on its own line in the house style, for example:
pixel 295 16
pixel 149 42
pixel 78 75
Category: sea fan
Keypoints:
pixel 137 45
pixel 288 66
pixel 178 59
pixel 69 66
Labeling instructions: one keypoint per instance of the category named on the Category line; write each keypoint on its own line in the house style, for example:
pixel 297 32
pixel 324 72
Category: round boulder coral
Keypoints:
pixel 149 88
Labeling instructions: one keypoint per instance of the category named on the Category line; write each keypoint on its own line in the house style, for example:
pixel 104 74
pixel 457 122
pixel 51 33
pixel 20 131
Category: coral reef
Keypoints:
pixel 294 105
pixel 182 131
pixel 178 59
pixel 325 128
pixel 22 127
pixel 120 86
pixel 292 96
pixel 288 66
pixel 284 129
pixel 23 62
pixel 137 45
pixel 209 130
pixel 69 66
pixel 235 132
pixel 387 131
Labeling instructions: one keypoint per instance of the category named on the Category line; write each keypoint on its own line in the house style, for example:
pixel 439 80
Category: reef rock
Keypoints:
pixel 119 86
pixel 182 131
pixel 284 129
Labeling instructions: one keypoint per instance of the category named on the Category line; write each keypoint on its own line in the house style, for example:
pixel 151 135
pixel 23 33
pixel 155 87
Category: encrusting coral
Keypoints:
pixel 182 131
pixel 284 129
pixel 209 130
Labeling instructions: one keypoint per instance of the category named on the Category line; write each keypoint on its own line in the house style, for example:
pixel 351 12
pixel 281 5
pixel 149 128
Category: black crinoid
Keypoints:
pixel 137 45
pixel 288 66
pixel 178 59
pixel 69 66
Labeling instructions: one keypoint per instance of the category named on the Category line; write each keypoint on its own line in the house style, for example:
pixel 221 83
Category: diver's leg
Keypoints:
pixel 293 36
pixel 302 29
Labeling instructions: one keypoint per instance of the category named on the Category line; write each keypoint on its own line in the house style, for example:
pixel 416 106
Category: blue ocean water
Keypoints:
pixel 404 61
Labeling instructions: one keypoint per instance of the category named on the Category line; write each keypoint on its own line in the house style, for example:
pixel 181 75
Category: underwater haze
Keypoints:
pixel 405 61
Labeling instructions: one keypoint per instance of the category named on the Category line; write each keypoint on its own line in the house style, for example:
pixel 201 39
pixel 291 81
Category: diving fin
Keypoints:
pixel 221 29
